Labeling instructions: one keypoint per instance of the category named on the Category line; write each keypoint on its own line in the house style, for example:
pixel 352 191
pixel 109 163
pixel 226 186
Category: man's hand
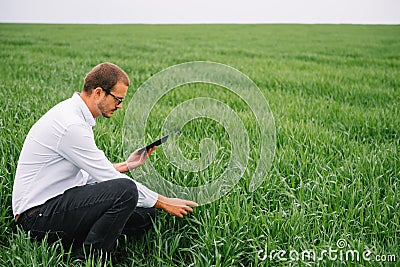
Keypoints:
pixel 137 159
pixel 175 206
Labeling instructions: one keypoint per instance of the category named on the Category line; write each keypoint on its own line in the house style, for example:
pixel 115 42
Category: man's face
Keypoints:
pixel 110 103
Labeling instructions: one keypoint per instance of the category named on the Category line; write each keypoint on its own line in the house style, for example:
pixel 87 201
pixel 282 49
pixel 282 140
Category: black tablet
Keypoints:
pixel 155 143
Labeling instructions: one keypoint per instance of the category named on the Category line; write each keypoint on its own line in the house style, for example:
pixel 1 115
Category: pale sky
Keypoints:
pixel 201 11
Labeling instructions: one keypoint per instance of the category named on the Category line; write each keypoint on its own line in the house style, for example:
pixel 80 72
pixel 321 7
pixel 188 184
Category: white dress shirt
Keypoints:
pixel 59 153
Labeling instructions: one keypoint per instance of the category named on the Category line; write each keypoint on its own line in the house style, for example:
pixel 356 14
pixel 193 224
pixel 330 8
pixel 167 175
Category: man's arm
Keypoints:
pixel 77 145
pixel 174 206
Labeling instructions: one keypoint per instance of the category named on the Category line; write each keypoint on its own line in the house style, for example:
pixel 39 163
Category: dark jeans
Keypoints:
pixel 91 217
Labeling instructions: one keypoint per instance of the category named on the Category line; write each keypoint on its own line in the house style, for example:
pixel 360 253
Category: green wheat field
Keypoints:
pixel 333 188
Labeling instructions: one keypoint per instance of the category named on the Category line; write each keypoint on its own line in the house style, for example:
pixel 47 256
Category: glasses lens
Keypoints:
pixel 119 100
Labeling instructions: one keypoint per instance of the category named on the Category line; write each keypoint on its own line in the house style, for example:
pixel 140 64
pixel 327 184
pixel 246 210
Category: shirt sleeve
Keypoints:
pixel 77 145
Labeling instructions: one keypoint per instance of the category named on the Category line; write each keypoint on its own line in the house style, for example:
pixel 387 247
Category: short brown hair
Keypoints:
pixel 105 75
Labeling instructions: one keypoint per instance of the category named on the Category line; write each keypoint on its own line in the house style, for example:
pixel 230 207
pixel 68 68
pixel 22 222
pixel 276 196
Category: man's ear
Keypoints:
pixel 97 91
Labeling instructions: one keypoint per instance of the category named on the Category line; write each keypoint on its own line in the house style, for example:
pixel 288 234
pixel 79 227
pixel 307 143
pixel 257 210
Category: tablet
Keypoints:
pixel 155 143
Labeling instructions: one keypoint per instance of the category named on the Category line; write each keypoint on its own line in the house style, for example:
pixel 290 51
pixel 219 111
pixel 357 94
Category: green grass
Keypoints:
pixel 333 90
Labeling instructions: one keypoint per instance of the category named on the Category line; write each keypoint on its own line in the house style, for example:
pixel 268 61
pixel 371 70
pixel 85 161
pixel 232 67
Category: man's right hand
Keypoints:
pixel 175 206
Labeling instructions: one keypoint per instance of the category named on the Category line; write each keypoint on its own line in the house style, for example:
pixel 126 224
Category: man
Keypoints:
pixel 65 186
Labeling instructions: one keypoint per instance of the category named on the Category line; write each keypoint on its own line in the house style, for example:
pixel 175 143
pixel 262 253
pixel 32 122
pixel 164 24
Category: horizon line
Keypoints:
pixel 202 23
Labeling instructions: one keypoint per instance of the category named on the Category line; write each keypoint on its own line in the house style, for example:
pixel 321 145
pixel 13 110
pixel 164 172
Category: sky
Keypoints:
pixel 201 11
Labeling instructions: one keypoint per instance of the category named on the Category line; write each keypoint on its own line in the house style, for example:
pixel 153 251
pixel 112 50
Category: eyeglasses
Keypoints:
pixel 119 99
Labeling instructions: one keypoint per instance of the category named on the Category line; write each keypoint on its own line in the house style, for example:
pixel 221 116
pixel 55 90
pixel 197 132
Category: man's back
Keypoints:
pixel 41 162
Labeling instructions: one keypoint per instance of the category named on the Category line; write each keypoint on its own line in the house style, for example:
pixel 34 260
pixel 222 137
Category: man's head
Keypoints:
pixel 105 75
pixel 104 89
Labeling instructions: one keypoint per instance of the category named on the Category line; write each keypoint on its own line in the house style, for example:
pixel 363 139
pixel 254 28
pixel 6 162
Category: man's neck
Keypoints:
pixel 89 103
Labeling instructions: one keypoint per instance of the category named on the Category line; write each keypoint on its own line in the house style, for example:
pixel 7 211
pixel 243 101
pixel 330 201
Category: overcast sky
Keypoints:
pixel 201 11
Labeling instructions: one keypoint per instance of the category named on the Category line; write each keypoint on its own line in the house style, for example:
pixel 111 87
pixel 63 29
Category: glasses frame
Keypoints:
pixel 119 99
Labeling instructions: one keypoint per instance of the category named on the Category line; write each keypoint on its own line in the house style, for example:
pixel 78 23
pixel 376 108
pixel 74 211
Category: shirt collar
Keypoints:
pixel 87 115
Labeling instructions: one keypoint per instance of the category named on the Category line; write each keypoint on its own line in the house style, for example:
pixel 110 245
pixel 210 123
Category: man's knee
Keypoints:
pixel 127 189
